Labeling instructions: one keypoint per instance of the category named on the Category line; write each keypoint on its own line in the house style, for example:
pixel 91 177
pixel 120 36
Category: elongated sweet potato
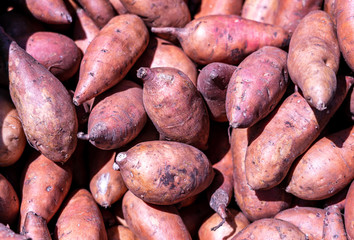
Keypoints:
pixel 13 139
pixel 110 56
pixel 55 51
pixel 344 12
pixel 272 229
pixel 45 185
pixel 333 225
pixel 218 7
pixel 349 212
pixel 308 219
pixel 43 104
pixel 148 221
pixel 326 167
pixel 255 204
pixel 313 59
pixel 293 127
pixel 256 86
pixel 9 202
pixel 225 38
pixel 101 11
pixel 164 172
pixel 260 10
pixel 8 234
pixel 80 218
pixel 117 117
pixel 35 227
pixel 175 106
pixel 212 83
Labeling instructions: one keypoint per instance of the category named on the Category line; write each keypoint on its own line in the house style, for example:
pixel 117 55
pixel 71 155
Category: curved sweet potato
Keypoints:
pixel 175 106
pixel 326 167
pixel 313 60
pixel 164 172
pixel 333 225
pixel 218 7
pixel 9 202
pixel 349 212
pixel 101 11
pixel 35 227
pixel 148 221
pixel 225 38
pixel 256 86
pixel 260 10
pixel 110 56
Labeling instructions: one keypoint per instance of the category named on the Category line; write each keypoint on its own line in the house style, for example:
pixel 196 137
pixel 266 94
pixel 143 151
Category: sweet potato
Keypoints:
pixel 80 218
pixel 225 38
pixel 162 53
pixel 326 167
pixel 101 11
pixel 157 13
pixel 175 106
pixel 43 104
pixel 313 59
pixel 148 221
pixel 9 202
pixel 256 86
pixel 212 83
pixel 219 7
pixel 45 185
pixel 333 225
pixel 110 56
pixel 35 227
pixel 234 223
pixel 291 130
pixel 344 11
pixel 118 6
pixel 8 234
pixel 337 199
pixel 255 204
pixel 329 8
pixel 119 232
pixel 260 10
pixel 13 139
pixel 291 12
pixel 117 117
pixel 308 219
pixel 55 51
pixel 271 228
pixel 349 212
pixel 106 184
pixel 164 172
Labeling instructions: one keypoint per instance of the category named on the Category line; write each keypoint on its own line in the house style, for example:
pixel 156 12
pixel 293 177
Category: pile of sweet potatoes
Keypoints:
pixel 176 119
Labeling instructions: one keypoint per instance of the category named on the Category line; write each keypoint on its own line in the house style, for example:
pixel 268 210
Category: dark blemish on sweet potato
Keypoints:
pixel 168 177
pixel 289 124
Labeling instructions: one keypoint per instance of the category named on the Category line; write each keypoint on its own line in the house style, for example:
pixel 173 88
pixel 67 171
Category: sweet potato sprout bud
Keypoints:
pixel 120 157
pixel 115 166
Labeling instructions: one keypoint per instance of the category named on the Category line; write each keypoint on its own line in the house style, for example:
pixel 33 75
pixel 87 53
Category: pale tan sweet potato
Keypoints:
pixel 164 172
pixel 9 202
pixel 260 10
pixel 349 212
pixel 333 225
pixel 101 11
pixel 216 7
pixel 148 221
pixel 35 227
pixel 313 59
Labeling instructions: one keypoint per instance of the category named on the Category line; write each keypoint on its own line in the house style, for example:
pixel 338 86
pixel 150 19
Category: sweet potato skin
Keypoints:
pixel 148 221
pixel 313 59
pixel 333 225
pixel 260 10
pixel 164 172
pixel 110 56
pixel 218 7
pixel 9 202
pixel 35 227
pixel 349 212
pixel 326 167
pixel 8 234
pixel 256 86
pixel 120 232
pixel 101 11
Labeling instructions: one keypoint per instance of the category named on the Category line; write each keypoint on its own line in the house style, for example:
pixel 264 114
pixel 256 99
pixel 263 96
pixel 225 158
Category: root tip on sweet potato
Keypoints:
pixel 83 136
pixel 76 101
pixel 142 73
pixel 121 158
pixel 219 225
pixel 115 166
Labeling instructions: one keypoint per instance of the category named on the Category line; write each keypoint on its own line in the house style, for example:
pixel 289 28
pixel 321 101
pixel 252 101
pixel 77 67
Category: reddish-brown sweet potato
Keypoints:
pixel 212 84
pixel 291 130
pixel 260 10
pixel 256 86
pixel 349 212
pixel 148 221
pixel 344 15
pixel 110 56
pixel 8 234
pixel 43 103
pixel 333 225
pixel 118 6
pixel 225 38
pixel 164 172
pixel 219 7
pixel 326 167
pixel 313 59
pixel 117 117
pixel 175 106
pixel 119 232
pixel 35 227
pixel 329 8
pixel 80 218
pixel 9 202
pixel 101 11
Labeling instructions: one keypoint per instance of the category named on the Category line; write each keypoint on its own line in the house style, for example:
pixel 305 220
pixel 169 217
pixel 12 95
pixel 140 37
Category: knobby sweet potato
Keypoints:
pixel 80 218
pixel 9 202
pixel 175 106
pixel 110 56
pixel 256 86
pixel 225 38
pixel 291 129
pixel 260 10
pixel 117 116
pixel 333 225
pixel 164 172
pixel 212 83
pixel 148 221
pixel 35 227
pixel 218 7
pixel 43 104
pixel 326 167
pixel 101 11
pixel 349 212
pixel 313 60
